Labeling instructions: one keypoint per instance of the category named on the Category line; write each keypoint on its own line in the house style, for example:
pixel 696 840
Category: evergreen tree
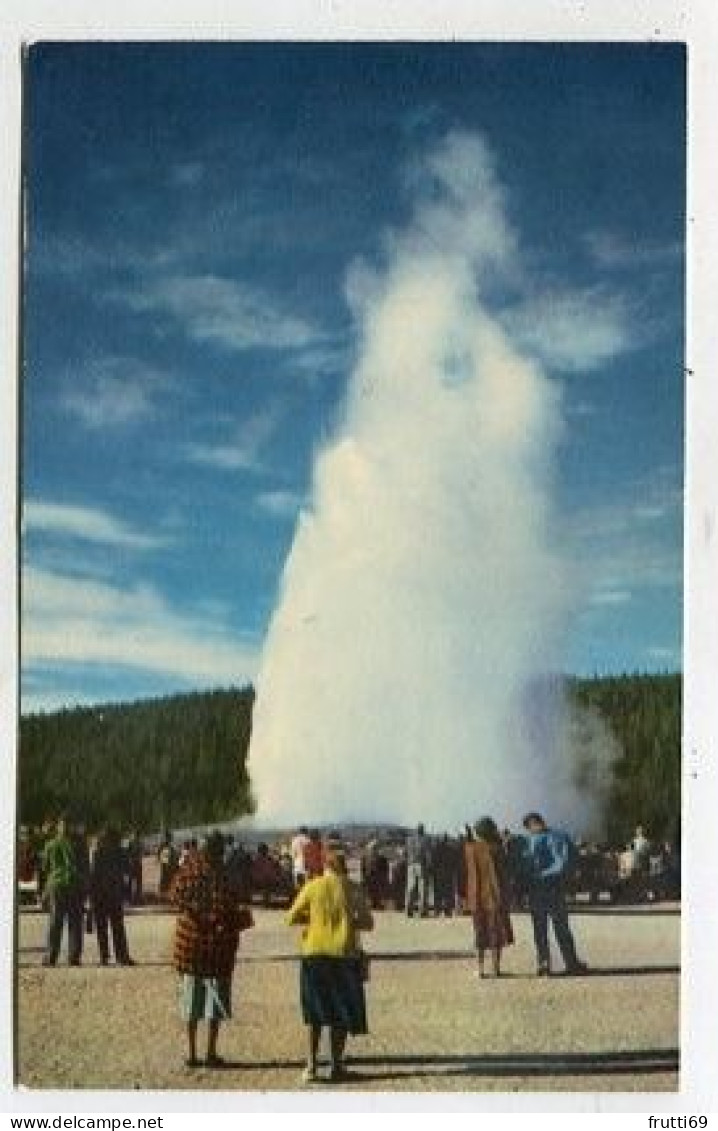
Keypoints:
pixel 182 760
pixel 176 761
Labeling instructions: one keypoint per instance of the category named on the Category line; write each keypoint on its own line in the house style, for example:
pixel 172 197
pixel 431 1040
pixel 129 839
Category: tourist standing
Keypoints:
pixel 641 848
pixel 488 893
pixel 168 860
pixel 210 919
pixel 107 888
pixel 417 872
pixel 64 893
pixel 313 855
pixel 375 877
pixel 332 911
pixel 27 861
pixel 239 871
pixel 297 850
pixel 134 870
pixel 445 873
pixel 77 835
pixel 465 837
pixel 548 860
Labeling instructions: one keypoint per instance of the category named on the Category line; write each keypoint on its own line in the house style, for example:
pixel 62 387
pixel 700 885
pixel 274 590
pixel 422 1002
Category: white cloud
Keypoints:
pixel 603 597
pixel 85 524
pixel 651 512
pixel 628 546
pixel 57 698
pixel 113 392
pixel 223 311
pixel 69 255
pixel 670 657
pixel 573 331
pixel 646 501
pixel 242 452
pixel 280 504
pixel 611 251
pixel 225 457
pixel 325 359
pixel 67 620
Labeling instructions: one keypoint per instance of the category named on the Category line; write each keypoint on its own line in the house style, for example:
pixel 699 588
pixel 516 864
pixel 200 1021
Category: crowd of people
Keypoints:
pixel 428 875
pixel 485 873
pixel 333 911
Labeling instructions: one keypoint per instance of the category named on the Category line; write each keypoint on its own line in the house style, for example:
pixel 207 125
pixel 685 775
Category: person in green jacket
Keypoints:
pixel 64 892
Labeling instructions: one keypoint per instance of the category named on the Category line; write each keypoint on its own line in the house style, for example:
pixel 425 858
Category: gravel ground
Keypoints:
pixel 434 1025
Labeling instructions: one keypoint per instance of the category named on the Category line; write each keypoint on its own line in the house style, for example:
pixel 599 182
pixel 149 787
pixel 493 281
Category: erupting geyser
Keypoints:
pixel 424 597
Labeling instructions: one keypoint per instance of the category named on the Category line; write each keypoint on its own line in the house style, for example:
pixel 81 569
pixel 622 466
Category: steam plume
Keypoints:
pixel 424 598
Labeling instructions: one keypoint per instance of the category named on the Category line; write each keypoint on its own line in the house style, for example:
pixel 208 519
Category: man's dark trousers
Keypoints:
pixel 65 904
pixel 547 900
pixel 109 915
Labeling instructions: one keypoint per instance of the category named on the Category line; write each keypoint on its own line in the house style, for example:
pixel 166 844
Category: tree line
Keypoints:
pixel 181 760
pixel 161 763
pixel 644 713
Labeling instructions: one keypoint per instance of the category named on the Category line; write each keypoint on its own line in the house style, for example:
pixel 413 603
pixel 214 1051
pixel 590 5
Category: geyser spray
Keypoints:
pixel 425 595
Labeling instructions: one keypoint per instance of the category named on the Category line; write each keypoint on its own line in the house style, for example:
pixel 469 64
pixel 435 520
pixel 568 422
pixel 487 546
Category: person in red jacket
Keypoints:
pixel 314 855
pixel 207 934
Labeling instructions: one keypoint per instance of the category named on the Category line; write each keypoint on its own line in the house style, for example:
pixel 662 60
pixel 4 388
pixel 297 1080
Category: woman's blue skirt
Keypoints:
pixel 331 992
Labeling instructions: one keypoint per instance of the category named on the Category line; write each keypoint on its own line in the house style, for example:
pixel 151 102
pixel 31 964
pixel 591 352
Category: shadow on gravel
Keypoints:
pixel 638 909
pixel 470 956
pixel 408 956
pixel 509 975
pixel 516 1064
pixel 249 1066
pixel 629 971
pixel 370 1069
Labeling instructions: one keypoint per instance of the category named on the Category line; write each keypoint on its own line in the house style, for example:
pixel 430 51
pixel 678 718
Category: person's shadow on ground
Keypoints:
pixel 371 1069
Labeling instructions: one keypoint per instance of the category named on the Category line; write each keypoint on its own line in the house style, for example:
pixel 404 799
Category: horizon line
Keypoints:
pixel 113 704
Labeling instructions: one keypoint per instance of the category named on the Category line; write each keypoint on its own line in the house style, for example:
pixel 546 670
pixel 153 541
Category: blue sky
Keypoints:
pixel 193 215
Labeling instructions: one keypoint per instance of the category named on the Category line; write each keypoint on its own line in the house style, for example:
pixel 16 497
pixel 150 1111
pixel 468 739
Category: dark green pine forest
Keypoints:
pixel 155 764
pixel 182 760
pixel 644 714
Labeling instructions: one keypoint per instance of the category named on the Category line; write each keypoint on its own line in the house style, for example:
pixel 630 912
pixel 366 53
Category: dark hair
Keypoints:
pixel 214 848
pixel 337 861
pixel 530 818
pixel 487 829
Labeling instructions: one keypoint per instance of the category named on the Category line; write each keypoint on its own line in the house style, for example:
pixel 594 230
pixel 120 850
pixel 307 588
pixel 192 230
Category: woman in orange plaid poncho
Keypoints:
pixel 210 919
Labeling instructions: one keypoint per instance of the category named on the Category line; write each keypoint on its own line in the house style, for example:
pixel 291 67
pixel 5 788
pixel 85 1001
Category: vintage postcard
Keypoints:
pixel 354 393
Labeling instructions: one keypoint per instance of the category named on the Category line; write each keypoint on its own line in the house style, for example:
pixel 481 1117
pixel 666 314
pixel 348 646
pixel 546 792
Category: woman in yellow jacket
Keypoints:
pixel 332 911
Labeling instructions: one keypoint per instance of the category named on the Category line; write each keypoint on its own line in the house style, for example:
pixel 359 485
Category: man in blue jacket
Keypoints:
pixel 548 860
